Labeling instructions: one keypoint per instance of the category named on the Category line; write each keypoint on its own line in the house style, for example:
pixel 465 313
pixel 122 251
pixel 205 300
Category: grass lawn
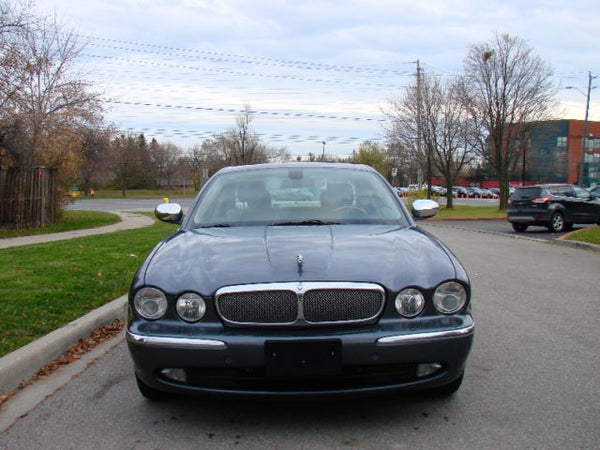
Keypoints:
pixel 463 212
pixel 590 235
pixel 45 286
pixel 70 220
pixel 189 192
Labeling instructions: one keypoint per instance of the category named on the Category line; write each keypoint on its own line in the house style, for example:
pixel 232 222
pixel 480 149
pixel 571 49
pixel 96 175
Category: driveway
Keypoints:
pixel 531 381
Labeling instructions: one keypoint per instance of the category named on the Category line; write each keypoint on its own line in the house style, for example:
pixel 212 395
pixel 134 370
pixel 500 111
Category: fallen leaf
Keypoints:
pixel 72 354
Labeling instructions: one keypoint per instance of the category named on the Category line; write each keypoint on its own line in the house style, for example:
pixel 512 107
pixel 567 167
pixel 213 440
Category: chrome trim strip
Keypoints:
pixel 297 287
pixel 176 342
pixel 417 337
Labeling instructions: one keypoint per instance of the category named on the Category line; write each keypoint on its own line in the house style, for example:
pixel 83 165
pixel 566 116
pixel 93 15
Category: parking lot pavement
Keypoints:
pixel 25 361
pixel 500 226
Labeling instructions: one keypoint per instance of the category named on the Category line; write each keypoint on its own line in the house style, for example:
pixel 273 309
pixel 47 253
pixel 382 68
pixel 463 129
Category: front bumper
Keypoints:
pixel 388 356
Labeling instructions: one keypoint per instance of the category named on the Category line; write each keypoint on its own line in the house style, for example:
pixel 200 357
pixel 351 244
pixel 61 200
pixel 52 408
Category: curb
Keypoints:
pixel 561 241
pixel 24 362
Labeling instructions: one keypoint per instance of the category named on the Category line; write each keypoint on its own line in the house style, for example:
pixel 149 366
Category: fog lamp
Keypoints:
pixel 191 307
pixel 175 374
pixel 425 369
pixel 409 302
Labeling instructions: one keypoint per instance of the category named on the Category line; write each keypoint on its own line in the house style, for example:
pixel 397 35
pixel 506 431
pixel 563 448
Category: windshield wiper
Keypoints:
pixel 304 222
pixel 215 225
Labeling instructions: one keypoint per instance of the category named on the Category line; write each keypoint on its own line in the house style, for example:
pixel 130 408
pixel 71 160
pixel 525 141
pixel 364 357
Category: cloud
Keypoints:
pixel 350 56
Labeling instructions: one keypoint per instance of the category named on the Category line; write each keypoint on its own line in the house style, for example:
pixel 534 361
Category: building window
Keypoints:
pixel 592 143
pixel 561 142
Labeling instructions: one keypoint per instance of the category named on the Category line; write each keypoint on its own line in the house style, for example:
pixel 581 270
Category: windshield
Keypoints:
pixel 296 196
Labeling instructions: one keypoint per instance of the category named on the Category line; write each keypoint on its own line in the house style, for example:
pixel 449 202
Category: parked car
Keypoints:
pixel 460 191
pixel 495 192
pixel 555 206
pixel 336 294
pixel 474 192
pixel 595 191
pixel 438 190
pixel 488 193
pixel 401 191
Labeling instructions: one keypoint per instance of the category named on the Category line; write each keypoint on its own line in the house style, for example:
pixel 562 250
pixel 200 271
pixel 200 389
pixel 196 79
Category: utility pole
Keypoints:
pixel 419 112
pixel 428 155
pixel 585 129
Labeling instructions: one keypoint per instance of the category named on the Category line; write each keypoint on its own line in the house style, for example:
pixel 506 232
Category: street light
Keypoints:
pixel 585 122
pixel 323 156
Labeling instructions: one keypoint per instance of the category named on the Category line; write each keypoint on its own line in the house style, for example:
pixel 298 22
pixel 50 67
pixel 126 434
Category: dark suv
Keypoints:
pixel 556 206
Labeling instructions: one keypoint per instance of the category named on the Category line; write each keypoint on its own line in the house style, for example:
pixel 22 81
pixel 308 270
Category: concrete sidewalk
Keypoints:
pixel 23 363
pixel 128 222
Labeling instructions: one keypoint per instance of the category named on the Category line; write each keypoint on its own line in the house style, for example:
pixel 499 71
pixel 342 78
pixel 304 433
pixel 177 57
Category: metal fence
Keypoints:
pixel 28 198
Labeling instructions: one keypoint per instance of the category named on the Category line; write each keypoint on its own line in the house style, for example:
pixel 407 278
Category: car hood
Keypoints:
pixel 205 260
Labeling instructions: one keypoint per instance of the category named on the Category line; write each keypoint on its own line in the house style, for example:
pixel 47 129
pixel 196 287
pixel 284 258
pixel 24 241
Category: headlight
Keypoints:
pixel 190 307
pixel 410 302
pixel 150 303
pixel 449 297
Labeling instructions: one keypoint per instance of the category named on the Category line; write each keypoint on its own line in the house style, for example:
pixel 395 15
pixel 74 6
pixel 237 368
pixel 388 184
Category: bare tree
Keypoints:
pixel 403 129
pixel 236 146
pixel 165 161
pixel 131 162
pixel 14 17
pixel 505 87
pixel 51 98
pixel 45 109
pixel 242 145
pixel 279 154
pixel 447 132
pixel 206 159
pixel 95 170
pixel 429 127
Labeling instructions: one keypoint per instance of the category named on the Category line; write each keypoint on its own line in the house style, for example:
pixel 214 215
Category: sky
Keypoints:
pixel 316 74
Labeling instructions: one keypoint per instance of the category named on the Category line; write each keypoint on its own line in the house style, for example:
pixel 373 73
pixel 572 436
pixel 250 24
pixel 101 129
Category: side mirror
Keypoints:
pixel 422 209
pixel 169 212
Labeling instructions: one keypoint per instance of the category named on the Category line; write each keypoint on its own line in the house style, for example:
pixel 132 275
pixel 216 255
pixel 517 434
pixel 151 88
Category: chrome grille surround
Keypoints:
pixel 299 303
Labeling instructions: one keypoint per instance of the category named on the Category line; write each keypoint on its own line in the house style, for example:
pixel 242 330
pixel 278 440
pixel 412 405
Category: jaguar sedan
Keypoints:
pixel 299 280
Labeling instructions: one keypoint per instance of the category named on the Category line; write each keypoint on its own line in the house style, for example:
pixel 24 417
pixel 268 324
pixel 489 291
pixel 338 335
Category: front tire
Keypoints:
pixel 557 223
pixel 519 227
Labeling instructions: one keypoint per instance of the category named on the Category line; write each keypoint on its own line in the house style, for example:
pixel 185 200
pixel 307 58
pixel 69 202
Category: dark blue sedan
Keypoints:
pixel 299 280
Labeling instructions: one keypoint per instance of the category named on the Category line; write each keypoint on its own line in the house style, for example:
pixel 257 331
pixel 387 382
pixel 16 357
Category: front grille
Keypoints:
pixel 299 303
pixel 331 305
pixel 259 307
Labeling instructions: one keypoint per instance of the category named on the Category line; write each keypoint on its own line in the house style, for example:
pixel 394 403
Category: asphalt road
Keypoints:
pixel 142 204
pixel 498 226
pixel 531 382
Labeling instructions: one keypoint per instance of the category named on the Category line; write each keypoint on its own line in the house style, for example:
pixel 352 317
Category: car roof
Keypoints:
pixel 544 186
pixel 296 165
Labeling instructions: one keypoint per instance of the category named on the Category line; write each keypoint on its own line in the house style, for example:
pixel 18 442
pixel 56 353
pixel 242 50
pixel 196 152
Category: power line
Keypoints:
pixel 270 137
pixel 219 56
pixel 245 74
pixel 237 111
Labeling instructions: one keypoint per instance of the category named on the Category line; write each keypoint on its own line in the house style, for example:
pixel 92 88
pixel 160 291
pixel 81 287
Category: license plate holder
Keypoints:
pixel 303 358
